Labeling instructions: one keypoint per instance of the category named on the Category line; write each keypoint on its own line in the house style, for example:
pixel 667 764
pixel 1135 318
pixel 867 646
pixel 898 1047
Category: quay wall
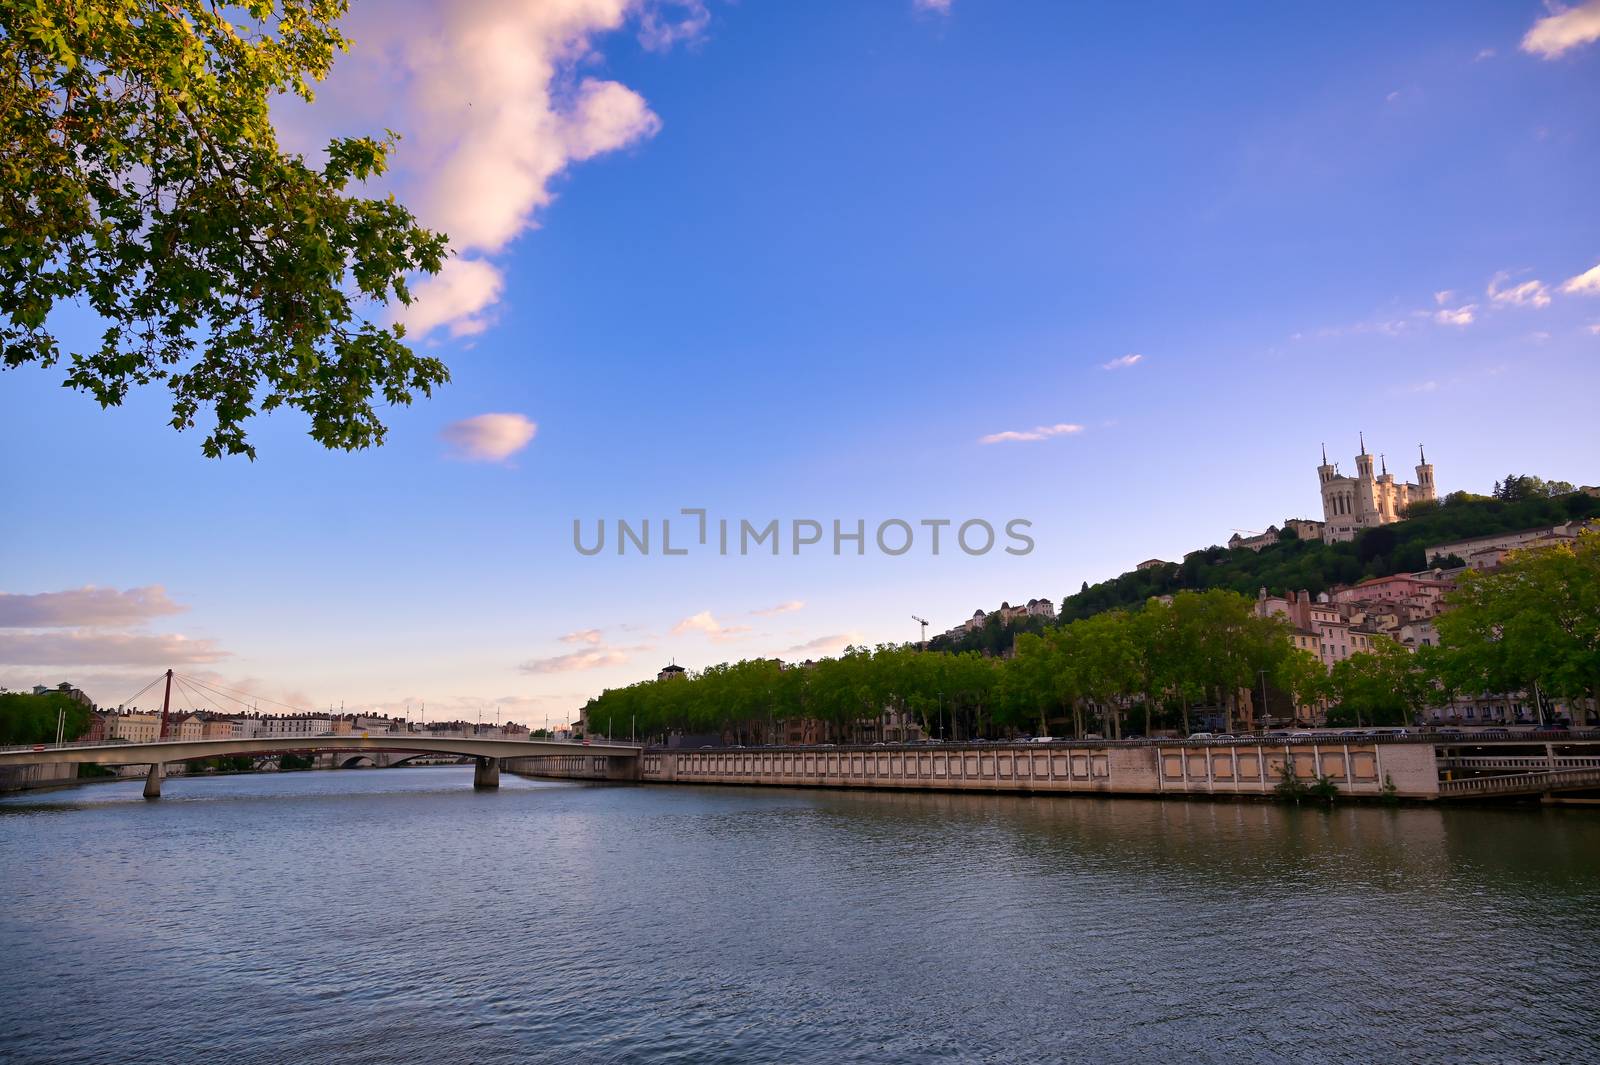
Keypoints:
pixel 39 775
pixel 1221 770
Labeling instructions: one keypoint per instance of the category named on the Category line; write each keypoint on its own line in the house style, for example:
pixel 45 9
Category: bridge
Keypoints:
pixel 486 753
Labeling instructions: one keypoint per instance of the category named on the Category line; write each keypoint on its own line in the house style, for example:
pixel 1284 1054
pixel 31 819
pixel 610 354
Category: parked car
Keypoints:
pixel 1201 736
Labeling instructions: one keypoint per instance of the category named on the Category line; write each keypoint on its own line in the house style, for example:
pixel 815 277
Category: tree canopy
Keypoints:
pixel 1533 621
pixel 141 179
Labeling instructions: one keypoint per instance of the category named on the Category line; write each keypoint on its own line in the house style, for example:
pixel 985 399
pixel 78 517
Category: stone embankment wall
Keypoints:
pixel 575 767
pixel 1107 769
pixel 48 775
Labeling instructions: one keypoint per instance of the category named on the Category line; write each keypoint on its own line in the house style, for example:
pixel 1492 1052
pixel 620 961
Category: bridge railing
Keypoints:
pixel 122 741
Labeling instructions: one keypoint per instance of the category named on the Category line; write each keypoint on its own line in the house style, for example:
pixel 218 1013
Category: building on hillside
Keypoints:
pixel 1337 638
pixel 1253 543
pixel 64 688
pixel 1154 563
pixel 1008 615
pixel 1368 499
pixel 1421 597
pixel 1305 528
pixel 1487 552
pixel 672 672
pixel 1415 634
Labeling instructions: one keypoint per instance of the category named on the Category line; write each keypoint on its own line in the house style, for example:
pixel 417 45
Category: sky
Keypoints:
pixel 1115 272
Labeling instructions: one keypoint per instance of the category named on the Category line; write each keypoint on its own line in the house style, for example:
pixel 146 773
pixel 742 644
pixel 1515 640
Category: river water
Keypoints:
pixel 397 916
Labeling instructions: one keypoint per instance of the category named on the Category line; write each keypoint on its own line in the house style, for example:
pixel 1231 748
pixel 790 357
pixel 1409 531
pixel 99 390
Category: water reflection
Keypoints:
pixel 399 915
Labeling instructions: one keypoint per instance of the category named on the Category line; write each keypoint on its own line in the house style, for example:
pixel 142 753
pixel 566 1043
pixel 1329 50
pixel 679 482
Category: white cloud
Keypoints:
pixel 1593 327
pixel 87 606
pixel 823 644
pixel 1392 97
pixel 1528 294
pixel 1483 53
pixel 658 33
pixel 705 623
pixel 1038 432
pixel 457 296
pixel 591 636
pixel 594 658
pixel 938 7
pixel 782 608
pixel 1460 316
pixel 1122 362
pixel 1563 29
pixel 489 437
pixel 1444 296
pixel 86 647
pixel 493 106
pixel 1585 284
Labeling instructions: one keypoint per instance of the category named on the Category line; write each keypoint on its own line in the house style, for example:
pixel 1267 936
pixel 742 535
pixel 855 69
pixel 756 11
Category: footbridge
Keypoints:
pixel 487 753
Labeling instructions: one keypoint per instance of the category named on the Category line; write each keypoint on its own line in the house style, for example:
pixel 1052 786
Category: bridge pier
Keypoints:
pixel 152 781
pixel 486 773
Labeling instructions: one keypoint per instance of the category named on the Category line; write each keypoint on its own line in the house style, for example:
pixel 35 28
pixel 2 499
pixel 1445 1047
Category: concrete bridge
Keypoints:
pixel 487 753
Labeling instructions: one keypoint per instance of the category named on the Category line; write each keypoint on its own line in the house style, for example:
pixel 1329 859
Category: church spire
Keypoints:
pixel 1363 438
pixel 1422 457
pixel 1324 454
pixel 1384 462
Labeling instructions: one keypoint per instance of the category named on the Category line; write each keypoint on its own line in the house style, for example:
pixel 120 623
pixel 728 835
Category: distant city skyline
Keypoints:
pixel 891 259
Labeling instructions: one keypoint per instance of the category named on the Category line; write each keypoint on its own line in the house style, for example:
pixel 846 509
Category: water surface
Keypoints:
pixel 397 915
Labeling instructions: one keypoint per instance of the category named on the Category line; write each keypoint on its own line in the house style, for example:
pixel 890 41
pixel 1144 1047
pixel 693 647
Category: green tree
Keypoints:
pixel 1383 686
pixel 1533 621
pixel 27 718
pixel 141 178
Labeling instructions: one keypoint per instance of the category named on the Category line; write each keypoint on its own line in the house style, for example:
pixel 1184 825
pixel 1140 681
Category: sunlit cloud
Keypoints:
pixel 707 624
pixel 1528 294
pixel 938 7
pixel 1122 362
pixel 1039 432
pixel 1585 284
pixel 782 608
pixel 576 661
pixel 488 437
pixel 1459 316
pixel 88 647
pixel 458 295
pixel 589 636
pixel 494 102
pixel 86 607
pixel 825 644
pixel 1563 29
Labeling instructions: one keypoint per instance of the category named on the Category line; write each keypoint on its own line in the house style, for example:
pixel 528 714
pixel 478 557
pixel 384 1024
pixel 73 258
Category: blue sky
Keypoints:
pixel 798 261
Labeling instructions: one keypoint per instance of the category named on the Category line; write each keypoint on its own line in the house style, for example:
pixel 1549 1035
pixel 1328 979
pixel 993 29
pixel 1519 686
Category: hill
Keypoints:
pixel 1309 565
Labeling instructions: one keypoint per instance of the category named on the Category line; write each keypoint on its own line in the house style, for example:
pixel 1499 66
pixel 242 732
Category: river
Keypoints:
pixel 398 916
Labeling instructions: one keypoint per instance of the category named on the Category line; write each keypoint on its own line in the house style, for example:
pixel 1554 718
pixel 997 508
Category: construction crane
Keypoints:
pixel 924 623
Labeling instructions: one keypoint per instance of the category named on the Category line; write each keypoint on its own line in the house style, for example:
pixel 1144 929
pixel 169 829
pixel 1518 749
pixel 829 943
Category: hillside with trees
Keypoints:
pixel 1533 625
pixel 1519 502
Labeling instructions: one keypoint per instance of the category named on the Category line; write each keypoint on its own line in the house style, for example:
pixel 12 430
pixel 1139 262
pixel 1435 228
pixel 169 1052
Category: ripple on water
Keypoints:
pixel 398 915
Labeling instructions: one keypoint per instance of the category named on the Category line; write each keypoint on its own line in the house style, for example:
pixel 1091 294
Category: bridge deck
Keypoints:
pixel 186 750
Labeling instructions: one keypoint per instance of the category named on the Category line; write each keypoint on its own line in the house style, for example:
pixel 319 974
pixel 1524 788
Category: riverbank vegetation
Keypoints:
pixel 1531 625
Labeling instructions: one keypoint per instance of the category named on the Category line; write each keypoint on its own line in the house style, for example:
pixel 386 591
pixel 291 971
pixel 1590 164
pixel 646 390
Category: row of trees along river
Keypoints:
pixel 1533 625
